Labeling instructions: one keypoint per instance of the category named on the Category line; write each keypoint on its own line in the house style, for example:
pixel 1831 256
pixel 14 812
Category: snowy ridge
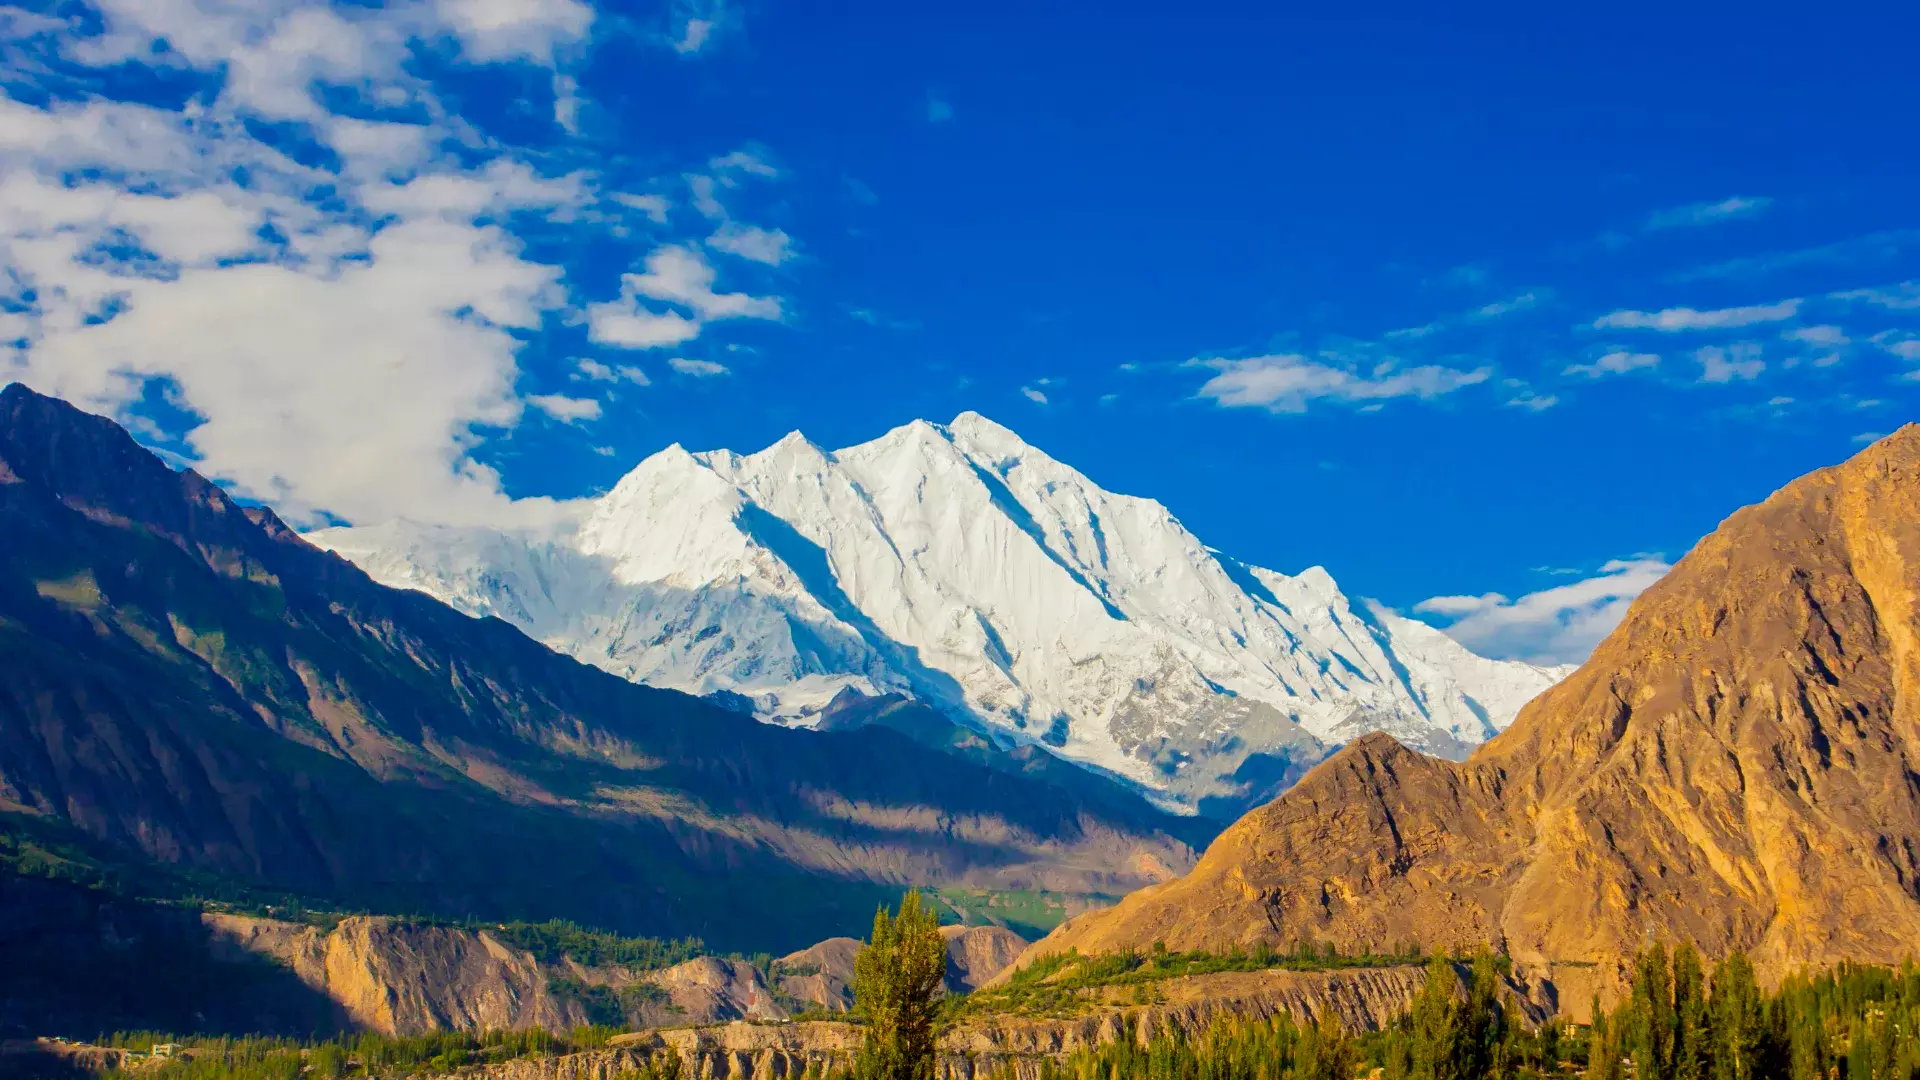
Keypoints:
pixel 959 565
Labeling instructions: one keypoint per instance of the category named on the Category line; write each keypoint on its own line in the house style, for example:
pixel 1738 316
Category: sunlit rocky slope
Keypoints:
pixel 1737 765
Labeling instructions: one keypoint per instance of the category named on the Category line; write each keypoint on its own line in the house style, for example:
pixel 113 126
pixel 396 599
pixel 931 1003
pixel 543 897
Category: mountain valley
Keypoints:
pixel 187 682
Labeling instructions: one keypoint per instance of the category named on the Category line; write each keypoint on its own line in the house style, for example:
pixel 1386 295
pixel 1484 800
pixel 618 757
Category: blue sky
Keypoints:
pixel 1498 314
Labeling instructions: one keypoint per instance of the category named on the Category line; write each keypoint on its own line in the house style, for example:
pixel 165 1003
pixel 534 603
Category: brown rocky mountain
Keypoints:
pixel 821 976
pixel 187 682
pixel 1737 765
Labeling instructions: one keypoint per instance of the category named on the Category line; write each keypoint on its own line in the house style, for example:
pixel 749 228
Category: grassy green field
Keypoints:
pixel 1031 914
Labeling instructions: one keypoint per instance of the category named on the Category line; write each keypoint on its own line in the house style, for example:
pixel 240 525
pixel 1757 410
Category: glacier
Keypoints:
pixel 959 566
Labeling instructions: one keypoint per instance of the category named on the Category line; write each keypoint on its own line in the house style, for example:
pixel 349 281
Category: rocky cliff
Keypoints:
pixel 973 1051
pixel 822 976
pixel 1737 765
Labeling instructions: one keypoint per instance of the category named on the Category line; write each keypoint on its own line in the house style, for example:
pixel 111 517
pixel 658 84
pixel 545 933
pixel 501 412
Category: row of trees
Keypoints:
pixel 1857 1022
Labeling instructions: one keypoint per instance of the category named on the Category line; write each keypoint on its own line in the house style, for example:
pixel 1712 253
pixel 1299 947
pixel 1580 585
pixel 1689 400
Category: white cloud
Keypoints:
pixel 1560 625
pixel 627 324
pixel 654 206
pixel 699 369
pixel 595 371
pixel 1904 296
pixel 1618 362
pixel 1708 213
pixel 343 329
pixel 566 104
pixel 751 161
pixel 567 410
pixel 1733 362
pixel 1508 306
pixel 494 30
pixel 676 275
pixel 769 246
pixel 1824 336
pixel 1866 437
pixel 1288 383
pixel 1683 318
pixel 1900 343
pixel 1534 402
pixel 1037 396
pixel 681 276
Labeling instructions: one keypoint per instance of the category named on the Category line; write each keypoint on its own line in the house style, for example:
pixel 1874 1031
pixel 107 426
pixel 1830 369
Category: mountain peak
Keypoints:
pixel 961 566
pixel 1732 767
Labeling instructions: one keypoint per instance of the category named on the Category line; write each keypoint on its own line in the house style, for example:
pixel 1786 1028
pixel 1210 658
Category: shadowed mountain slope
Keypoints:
pixel 1737 765
pixel 189 680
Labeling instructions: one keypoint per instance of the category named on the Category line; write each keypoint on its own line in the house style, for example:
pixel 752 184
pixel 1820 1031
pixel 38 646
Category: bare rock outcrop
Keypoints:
pixel 1734 766
pixel 1016 1046
pixel 710 990
pixel 820 976
pixel 976 954
pixel 401 979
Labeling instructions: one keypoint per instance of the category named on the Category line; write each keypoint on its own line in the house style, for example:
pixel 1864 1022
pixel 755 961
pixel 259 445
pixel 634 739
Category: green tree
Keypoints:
pixel 1436 1021
pixel 896 977
pixel 1649 1024
pixel 1479 1049
pixel 1691 1026
pixel 1324 1052
pixel 1737 1020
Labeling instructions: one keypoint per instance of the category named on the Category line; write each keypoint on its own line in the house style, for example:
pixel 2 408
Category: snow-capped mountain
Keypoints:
pixel 960 566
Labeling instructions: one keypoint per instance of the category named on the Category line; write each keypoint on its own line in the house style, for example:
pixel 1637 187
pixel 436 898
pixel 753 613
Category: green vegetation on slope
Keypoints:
pixel 262 1058
pixel 1857 1021
pixel 1033 914
pixel 1068 983
pixel 1854 1022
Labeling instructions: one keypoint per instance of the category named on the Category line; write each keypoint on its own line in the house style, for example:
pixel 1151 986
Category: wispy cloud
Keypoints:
pixel 1560 625
pixel 1038 397
pixel 567 410
pixel 699 369
pixel 1872 248
pixel 1707 213
pixel 1901 343
pixel 1522 302
pixel 1904 296
pixel 1725 364
pixel 1289 383
pixel 694 25
pixel 595 371
pixel 1825 336
pixel 769 246
pixel 1686 318
pixel 1617 362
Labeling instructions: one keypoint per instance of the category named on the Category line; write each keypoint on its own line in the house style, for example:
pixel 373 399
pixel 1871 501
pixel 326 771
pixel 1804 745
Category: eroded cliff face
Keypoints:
pixel 822 976
pixel 403 978
pixel 1737 765
pixel 400 978
pixel 1008 1046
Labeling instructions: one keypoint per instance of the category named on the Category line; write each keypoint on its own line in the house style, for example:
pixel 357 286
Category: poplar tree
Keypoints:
pixel 896 979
